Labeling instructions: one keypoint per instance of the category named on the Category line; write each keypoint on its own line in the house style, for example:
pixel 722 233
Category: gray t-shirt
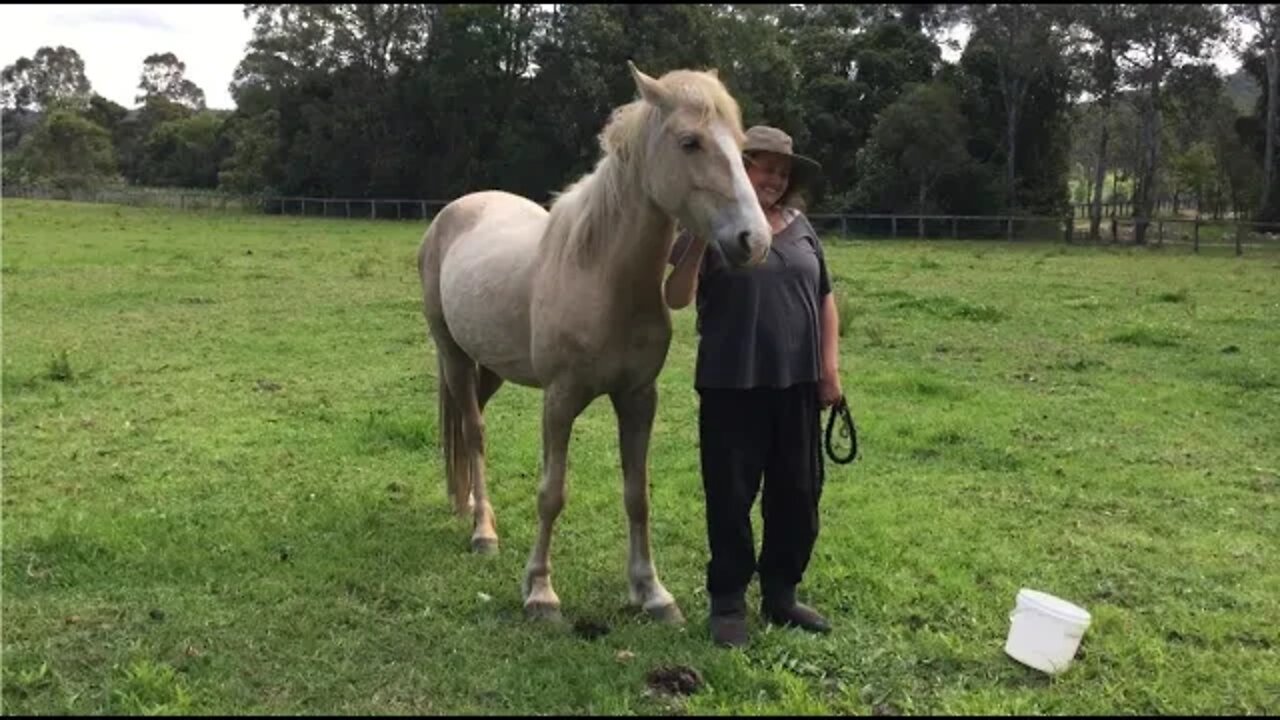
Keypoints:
pixel 760 327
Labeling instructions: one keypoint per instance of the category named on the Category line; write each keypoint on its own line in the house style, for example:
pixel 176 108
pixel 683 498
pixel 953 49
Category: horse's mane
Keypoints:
pixel 590 204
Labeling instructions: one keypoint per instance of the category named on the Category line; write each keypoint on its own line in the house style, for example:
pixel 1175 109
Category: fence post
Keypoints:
pixel 398 216
pixel 1160 233
pixel 1008 228
pixel 348 208
pixel 1115 231
pixel 954 235
pixel 893 226
pixel 423 203
pixel 1071 227
pixel 373 204
pixel 1195 241
pixel 1239 239
pixel 920 227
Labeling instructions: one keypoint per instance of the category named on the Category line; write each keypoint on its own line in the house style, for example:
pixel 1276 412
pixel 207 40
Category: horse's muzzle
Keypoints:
pixel 747 249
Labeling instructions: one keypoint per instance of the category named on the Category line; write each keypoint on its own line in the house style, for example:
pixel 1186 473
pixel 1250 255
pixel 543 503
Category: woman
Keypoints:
pixel 768 361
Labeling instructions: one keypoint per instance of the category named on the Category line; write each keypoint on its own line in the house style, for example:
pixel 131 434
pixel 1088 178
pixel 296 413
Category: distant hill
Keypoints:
pixel 1244 91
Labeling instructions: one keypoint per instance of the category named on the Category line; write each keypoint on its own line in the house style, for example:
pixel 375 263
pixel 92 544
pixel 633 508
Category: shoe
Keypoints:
pixel 781 608
pixel 729 620
pixel 730 630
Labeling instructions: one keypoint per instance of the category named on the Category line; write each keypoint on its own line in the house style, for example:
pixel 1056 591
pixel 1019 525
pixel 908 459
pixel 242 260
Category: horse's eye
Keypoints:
pixel 690 143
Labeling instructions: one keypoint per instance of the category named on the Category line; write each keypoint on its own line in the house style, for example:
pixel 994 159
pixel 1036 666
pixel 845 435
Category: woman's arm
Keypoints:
pixel 829 388
pixel 682 283
pixel 830 335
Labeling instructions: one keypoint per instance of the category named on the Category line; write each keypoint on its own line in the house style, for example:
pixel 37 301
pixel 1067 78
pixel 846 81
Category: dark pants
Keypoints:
pixel 745 434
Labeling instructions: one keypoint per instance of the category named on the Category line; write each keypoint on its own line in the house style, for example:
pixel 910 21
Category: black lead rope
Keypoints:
pixel 849 430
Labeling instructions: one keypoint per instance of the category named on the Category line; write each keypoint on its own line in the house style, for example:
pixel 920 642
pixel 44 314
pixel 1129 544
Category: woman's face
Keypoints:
pixel 769 174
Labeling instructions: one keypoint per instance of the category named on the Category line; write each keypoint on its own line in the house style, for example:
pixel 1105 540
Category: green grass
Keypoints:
pixel 222 490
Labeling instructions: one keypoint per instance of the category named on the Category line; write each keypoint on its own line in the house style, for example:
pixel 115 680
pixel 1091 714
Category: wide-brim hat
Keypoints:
pixel 805 171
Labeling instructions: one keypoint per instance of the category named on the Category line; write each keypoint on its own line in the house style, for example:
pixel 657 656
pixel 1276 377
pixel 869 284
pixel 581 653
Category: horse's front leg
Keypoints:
pixel 635 411
pixel 560 407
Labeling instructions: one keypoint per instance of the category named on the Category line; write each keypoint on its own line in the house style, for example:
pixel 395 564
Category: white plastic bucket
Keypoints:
pixel 1045 631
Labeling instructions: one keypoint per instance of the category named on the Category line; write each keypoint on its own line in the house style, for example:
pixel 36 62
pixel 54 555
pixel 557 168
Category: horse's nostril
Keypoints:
pixel 744 239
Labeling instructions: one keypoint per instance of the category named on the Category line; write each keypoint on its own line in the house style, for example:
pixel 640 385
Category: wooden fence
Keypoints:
pixel 1164 208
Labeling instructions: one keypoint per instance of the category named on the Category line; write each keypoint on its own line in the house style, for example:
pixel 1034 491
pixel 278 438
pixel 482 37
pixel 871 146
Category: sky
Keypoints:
pixel 113 40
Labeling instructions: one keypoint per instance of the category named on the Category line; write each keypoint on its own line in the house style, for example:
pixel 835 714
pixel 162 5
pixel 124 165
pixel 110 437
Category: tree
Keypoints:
pixel 919 137
pixel 758 67
pixel 1126 130
pixel 53 78
pixel 853 62
pixel 185 152
pixel 350 90
pixel 104 112
pixel 130 135
pixel 1105 38
pixel 163 77
pixel 1265 20
pixel 1193 93
pixel 1025 41
pixel 250 167
pixel 1041 165
pixel 292 40
pixel 1087 125
pixel 67 151
pixel 1164 36
pixel 1195 170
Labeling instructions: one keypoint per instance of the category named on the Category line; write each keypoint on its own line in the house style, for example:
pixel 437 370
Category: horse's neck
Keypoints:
pixel 626 239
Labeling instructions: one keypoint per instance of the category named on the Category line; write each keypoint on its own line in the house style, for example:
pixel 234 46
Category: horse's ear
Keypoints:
pixel 714 72
pixel 651 90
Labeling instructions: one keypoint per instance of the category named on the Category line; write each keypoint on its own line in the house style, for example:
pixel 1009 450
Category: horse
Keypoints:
pixel 568 299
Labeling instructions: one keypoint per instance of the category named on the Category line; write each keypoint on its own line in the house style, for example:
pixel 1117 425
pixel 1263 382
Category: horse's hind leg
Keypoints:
pixel 463 381
pixel 635 411
pixel 485 536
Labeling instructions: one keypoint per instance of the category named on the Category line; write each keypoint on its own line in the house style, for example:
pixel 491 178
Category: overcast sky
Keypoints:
pixel 113 40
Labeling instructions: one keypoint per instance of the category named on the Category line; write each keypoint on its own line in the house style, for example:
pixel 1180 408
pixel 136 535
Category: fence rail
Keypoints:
pixel 1164 209
pixel 1070 228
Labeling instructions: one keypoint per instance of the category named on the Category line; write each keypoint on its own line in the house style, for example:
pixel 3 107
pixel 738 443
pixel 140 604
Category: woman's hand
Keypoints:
pixel 829 391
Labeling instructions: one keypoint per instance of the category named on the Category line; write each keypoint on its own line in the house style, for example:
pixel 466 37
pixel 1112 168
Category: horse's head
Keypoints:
pixel 692 162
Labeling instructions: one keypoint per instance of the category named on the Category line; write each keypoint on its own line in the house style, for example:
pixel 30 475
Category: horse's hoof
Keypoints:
pixel 484 546
pixel 543 612
pixel 668 614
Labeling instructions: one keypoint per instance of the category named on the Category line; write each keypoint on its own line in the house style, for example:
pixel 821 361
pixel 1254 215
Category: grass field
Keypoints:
pixel 222 489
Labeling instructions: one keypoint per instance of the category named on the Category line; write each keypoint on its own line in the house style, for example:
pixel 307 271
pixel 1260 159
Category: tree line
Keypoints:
pixel 1046 105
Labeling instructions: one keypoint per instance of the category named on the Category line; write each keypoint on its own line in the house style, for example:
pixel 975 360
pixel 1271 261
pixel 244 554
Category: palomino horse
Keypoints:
pixel 570 301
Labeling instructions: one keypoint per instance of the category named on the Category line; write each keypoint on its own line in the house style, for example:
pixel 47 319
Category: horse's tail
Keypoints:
pixel 458 470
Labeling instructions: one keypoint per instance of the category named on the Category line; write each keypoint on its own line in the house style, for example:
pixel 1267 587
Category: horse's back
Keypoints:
pixel 483 212
pixel 476 261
